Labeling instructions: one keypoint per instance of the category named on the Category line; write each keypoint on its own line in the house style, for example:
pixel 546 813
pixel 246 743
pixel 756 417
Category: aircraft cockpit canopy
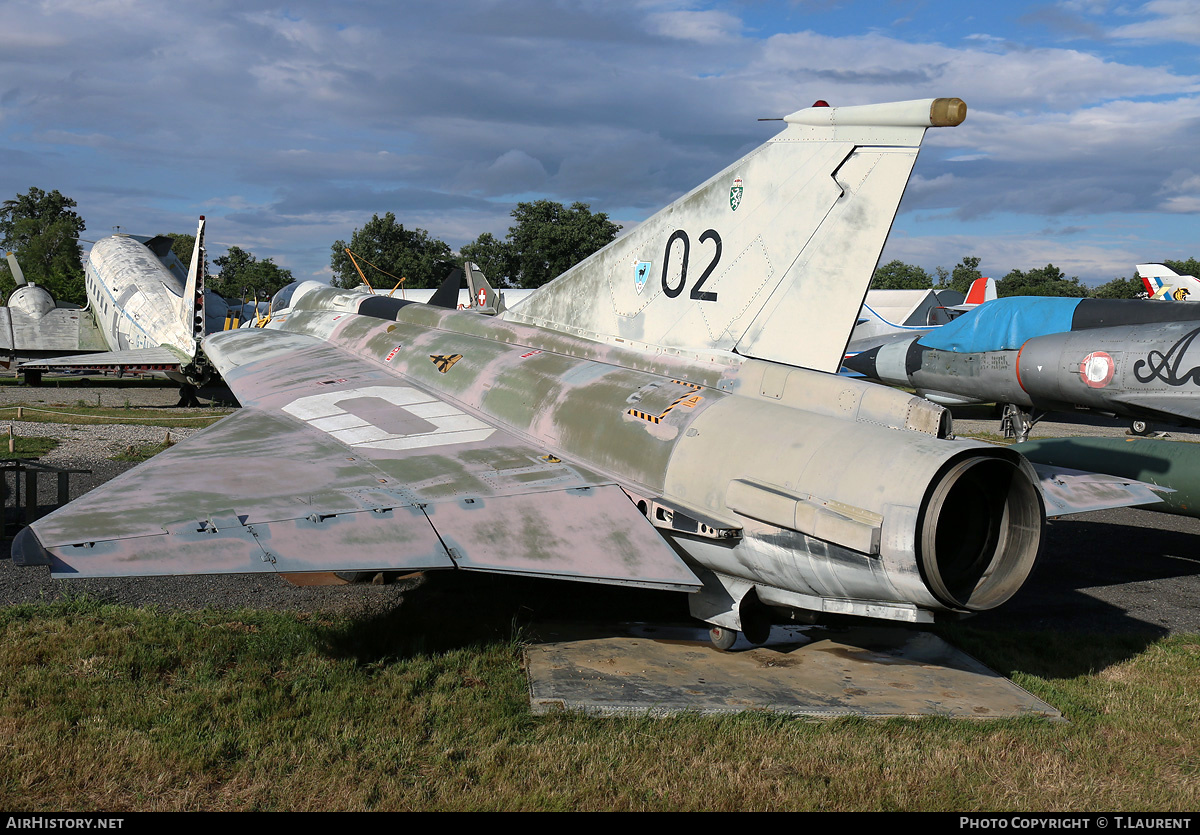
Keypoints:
pixel 283 299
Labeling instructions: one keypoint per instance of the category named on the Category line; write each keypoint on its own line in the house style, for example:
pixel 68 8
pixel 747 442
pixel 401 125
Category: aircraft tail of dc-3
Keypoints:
pixel 663 416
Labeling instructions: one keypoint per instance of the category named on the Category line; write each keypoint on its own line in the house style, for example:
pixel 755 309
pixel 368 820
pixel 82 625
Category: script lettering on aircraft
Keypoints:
pixel 697 294
pixel 1165 367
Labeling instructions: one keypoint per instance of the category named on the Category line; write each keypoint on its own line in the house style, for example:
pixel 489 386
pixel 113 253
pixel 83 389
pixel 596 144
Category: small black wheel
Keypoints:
pixel 1140 427
pixel 722 638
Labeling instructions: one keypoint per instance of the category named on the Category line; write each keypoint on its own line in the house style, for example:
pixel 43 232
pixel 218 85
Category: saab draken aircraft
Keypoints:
pixel 149 316
pixel 665 414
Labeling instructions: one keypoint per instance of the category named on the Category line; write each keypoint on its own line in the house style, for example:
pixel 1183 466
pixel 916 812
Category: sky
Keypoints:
pixel 289 125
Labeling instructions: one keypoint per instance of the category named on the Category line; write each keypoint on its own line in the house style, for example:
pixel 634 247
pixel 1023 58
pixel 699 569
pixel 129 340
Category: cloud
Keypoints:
pixel 291 125
pixel 706 27
pixel 1173 20
pixel 1000 254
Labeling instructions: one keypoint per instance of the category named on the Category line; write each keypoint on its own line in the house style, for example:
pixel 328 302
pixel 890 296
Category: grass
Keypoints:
pixel 112 708
pixel 26 447
pixel 140 452
pixel 86 415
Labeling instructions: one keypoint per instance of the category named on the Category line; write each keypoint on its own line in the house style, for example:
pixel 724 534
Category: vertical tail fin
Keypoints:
pixel 483 297
pixel 982 290
pixel 191 314
pixel 1162 282
pixel 771 257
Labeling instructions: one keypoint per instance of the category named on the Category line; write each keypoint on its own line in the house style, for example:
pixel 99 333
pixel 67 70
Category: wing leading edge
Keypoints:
pixel 361 472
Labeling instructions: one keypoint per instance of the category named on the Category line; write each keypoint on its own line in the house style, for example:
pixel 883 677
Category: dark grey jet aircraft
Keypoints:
pixel 1131 358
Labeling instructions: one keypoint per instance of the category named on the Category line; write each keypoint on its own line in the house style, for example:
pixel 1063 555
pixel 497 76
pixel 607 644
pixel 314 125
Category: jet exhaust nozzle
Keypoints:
pixel 980 531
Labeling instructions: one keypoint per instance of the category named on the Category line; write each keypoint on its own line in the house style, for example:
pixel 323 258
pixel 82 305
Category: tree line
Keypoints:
pixel 1042 281
pixel 544 241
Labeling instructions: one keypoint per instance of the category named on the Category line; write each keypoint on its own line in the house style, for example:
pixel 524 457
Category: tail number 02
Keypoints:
pixel 698 294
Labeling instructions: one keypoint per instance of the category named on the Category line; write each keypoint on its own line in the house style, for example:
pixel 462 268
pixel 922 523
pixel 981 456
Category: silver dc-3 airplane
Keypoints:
pixel 145 310
pixel 666 414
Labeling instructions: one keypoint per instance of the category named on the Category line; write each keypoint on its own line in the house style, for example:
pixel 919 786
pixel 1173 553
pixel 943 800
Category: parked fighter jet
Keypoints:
pixel 665 415
pixel 150 316
pixel 1038 355
pixel 1162 282
pixel 920 312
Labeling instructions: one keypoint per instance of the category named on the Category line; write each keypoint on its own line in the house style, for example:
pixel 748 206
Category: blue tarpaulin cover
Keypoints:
pixel 1003 324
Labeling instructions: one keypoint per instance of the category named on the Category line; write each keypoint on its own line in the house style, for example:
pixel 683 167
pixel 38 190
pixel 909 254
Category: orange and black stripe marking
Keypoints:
pixel 688 399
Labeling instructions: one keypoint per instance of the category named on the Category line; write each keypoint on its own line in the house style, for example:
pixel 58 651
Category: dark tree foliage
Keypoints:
pixel 963 275
pixel 244 276
pixel 1189 267
pixel 491 255
pixel 548 239
pixel 43 232
pixel 896 275
pixel 1045 281
pixel 1120 288
pixel 411 254
pixel 182 245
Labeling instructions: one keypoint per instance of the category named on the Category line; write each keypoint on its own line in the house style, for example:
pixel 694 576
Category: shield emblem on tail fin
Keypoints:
pixel 641 271
pixel 735 194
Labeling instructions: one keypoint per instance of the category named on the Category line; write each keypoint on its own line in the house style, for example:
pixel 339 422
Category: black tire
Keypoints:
pixel 723 639
pixel 1140 427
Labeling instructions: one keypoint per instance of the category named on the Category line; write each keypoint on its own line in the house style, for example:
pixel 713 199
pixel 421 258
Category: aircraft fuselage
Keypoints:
pixel 1149 371
pixel 716 451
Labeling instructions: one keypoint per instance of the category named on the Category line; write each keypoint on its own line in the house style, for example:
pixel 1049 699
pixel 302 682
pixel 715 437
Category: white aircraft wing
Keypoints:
pixel 57 330
pixel 133 359
pixel 1079 491
pixel 337 465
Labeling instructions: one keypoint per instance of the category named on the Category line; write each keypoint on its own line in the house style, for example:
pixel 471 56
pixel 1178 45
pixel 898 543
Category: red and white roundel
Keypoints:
pixel 1097 369
pixel 482 296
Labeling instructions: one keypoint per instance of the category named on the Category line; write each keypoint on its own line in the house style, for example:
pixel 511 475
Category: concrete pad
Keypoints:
pixel 803 671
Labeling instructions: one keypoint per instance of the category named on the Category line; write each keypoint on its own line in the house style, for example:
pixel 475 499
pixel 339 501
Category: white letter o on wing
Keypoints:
pixel 453 426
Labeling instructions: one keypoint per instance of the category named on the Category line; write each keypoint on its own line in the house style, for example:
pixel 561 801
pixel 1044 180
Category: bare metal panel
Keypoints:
pixel 869 672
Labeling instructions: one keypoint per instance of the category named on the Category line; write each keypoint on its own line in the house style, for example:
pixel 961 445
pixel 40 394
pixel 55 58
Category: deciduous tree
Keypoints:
pixel 896 275
pixel 244 276
pixel 43 231
pixel 547 240
pixel 1121 288
pixel 412 254
pixel 1045 281
pixel 963 275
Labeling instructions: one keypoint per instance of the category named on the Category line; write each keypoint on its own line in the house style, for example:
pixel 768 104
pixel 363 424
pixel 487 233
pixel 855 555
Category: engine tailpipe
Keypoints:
pixel 980 531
